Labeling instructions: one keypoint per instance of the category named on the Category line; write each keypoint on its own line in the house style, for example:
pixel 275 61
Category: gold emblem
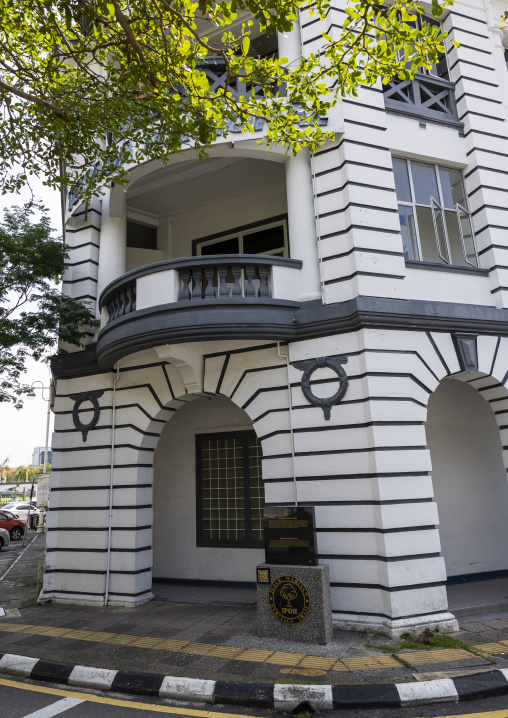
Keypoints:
pixel 263 575
pixel 289 600
pixel 287 512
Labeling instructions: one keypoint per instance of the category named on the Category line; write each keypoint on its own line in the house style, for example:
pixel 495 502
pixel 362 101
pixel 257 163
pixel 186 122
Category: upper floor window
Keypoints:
pixel 430 96
pixel 434 218
pixel 141 236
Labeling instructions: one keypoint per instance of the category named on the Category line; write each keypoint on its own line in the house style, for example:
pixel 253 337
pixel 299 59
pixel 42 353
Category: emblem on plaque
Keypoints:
pixel 289 600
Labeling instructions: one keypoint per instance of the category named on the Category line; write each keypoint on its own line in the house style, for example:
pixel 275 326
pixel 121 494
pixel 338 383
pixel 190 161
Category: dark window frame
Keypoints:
pixel 226 234
pixel 201 541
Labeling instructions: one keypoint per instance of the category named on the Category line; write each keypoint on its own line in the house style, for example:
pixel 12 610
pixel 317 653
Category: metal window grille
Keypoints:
pixel 230 493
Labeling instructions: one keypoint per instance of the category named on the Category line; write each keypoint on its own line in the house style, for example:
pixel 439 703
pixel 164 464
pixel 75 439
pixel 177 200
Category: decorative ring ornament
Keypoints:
pixel 91 396
pixel 309 366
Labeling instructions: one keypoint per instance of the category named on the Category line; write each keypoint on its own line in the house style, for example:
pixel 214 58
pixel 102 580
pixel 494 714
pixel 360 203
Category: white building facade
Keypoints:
pixel 384 256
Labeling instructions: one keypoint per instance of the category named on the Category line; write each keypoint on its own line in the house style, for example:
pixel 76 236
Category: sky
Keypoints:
pixel 22 430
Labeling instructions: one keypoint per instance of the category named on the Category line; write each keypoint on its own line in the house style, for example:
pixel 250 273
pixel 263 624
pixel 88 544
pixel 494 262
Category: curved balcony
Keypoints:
pixel 231 296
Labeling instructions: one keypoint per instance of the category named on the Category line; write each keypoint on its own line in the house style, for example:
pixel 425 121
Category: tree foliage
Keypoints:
pixel 87 85
pixel 33 312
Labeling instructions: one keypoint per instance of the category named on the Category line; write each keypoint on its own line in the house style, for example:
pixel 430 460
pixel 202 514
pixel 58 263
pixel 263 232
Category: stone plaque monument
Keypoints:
pixel 290 536
pixel 293 593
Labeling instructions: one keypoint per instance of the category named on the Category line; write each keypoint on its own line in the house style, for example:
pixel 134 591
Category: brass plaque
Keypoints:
pixel 263 575
pixel 289 600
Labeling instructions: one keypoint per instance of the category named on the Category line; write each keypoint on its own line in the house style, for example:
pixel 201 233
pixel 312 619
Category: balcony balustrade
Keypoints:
pixel 426 98
pixel 229 296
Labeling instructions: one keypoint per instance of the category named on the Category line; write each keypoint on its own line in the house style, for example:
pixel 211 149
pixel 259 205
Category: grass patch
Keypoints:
pixel 424 642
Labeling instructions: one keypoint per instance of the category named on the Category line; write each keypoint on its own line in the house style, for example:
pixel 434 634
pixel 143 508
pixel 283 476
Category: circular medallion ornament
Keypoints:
pixel 289 600
pixel 309 367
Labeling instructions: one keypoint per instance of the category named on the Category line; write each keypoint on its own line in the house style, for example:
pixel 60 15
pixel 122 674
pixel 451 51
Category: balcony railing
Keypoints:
pixel 223 279
pixel 426 98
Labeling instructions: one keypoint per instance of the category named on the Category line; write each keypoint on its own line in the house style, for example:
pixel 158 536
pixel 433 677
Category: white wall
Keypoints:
pixel 221 216
pixel 174 498
pixel 469 480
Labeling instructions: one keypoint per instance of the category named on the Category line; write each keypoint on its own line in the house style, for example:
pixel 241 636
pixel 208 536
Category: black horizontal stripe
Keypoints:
pixel 337 280
pixel 367 250
pixel 399 529
pixel 98 508
pixel 388 589
pixel 377 557
pixel 100 487
pixel 340 427
pixel 99 528
pixel 349 475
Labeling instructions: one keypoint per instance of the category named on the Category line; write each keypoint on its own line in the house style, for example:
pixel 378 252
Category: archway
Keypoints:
pixel 208 495
pixel 469 479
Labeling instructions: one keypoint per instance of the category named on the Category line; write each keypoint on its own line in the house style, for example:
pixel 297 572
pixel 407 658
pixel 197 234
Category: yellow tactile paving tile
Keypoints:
pixel 13 627
pixel 285 659
pixel 148 642
pixel 198 648
pixel 225 652
pixel 340 666
pixel 317 662
pixel 369 663
pixel 443 655
pixel 490 649
pixel 254 655
pixel 122 639
pixel 169 644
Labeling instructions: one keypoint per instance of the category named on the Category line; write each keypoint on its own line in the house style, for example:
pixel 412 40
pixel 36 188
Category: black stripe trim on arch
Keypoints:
pixel 478 97
pixel 83 261
pixel 107 427
pixel 254 370
pixel 436 349
pixel 473 131
pixel 354 184
pixel 495 356
pixel 222 374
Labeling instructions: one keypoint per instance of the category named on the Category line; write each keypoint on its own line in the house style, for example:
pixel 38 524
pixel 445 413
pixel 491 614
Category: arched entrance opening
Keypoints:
pixel 469 479
pixel 208 495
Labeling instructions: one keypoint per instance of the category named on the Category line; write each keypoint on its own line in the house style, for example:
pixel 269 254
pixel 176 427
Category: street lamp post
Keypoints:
pixel 31 395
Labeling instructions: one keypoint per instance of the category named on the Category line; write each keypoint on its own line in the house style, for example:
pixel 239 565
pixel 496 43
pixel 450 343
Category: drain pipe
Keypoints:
pixel 291 432
pixel 111 484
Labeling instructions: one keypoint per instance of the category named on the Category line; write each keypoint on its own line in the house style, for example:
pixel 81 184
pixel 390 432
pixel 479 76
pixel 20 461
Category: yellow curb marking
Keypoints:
pixel 91 698
pixel 254 655
pixel 439 656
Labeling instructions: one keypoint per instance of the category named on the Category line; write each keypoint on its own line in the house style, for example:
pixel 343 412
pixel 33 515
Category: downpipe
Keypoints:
pixel 291 432
pixel 111 485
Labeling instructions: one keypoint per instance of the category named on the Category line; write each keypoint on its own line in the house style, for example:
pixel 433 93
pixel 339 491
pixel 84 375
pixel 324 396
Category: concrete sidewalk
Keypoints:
pixel 215 641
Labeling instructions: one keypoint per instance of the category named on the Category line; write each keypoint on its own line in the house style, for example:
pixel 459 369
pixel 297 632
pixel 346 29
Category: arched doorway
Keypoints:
pixel 469 480
pixel 208 495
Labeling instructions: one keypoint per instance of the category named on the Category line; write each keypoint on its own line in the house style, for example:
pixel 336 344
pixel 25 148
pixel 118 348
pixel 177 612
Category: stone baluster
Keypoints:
pixel 250 290
pixel 208 275
pixel 237 289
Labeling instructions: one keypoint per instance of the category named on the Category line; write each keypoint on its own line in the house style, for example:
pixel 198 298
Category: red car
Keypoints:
pixel 15 527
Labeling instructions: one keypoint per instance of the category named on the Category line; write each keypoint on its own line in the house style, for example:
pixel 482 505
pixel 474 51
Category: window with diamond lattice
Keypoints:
pixel 230 493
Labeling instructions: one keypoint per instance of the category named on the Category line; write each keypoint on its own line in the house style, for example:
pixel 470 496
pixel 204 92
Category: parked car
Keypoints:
pixel 21 509
pixel 5 539
pixel 15 527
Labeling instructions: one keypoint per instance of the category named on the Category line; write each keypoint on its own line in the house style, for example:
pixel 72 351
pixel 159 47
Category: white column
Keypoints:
pixel 113 245
pixel 302 224
pixel 290 44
